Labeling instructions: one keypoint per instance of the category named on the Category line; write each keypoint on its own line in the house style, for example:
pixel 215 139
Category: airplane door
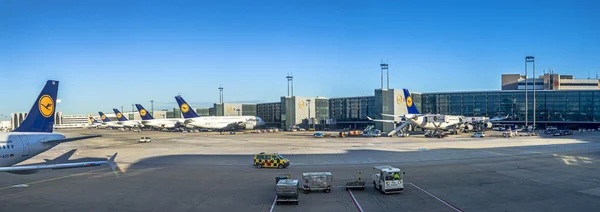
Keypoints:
pixel 25 143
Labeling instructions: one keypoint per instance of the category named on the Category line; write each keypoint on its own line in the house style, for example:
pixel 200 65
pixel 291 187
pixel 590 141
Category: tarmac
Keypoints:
pixel 210 172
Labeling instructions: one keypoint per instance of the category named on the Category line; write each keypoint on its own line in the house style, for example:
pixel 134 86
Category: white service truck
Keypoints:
pixel 388 180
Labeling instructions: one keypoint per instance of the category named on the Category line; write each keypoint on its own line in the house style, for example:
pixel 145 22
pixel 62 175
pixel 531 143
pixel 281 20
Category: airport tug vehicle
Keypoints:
pixel 384 180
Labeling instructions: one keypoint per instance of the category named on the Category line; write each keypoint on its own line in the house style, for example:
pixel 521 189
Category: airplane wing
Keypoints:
pixel 34 168
pixel 388 115
pixel 71 139
pixel 381 120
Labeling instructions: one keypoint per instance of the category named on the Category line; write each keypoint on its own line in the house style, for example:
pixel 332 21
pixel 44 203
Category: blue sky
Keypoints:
pixel 115 53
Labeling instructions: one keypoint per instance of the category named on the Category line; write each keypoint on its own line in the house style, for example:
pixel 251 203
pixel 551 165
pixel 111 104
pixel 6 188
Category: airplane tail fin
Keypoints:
pixel 41 116
pixel 93 120
pixel 186 110
pixel 119 115
pixel 410 105
pixel 143 112
pixel 103 117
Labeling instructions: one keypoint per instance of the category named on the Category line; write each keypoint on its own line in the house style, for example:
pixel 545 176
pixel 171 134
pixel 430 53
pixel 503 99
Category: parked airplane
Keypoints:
pixel 434 122
pixel 94 123
pixel 123 121
pixel 217 122
pixel 107 123
pixel 35 136
pixel 148 120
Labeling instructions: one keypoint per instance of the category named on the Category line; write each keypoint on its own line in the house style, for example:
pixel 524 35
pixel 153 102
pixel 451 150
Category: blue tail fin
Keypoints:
pixel 186 110
pixel 410 105
pixel 119 115
pixel 103 117
pixel 41 116
pixel 144 113
pixel 93 120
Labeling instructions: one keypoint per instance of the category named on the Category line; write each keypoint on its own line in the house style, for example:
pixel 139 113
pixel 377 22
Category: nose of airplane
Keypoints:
pixel 260 121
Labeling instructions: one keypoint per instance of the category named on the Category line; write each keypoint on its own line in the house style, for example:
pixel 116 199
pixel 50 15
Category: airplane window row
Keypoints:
pixel 8 147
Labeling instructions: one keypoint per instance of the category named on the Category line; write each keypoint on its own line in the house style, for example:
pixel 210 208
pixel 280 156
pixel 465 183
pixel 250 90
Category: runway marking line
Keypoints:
pixel 438 198
pixel 56 178
pixel 355 201
pixel 273 205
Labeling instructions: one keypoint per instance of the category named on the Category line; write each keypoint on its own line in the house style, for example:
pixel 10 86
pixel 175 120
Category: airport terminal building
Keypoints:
pixel 560 100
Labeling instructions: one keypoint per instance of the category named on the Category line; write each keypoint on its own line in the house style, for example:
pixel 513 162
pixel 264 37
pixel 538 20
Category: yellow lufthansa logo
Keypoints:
pixel 185 108
pixel 301 104
pixel 103 117
pixel 119 115
pixel 46 106
pixel 143 112
pixel 229 109
pixel 409 101
pixel 399 99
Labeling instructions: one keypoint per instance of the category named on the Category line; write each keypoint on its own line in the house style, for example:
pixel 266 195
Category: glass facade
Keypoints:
pixel 176 113
pixel 202 111
pixel 322 109
pixel 352 108
pixel 551 106
pixel 249 110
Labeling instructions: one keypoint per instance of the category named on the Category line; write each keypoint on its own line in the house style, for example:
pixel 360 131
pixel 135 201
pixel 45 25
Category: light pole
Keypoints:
pixel 152 106
pixel 529 59
pixel 308 102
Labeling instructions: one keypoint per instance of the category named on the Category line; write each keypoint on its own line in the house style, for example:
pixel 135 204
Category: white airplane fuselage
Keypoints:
pixel 163 123
pixel 112 124
pixel 16 147
pixel 129 123
pixel 450 122
pixel 223 122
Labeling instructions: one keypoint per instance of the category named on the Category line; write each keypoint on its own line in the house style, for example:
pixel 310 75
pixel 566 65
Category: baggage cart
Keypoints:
pixel 317 181
pixel 287 191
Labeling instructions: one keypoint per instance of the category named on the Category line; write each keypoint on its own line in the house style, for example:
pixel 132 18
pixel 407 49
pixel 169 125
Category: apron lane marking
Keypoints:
pixel 355 202
pixel 439 199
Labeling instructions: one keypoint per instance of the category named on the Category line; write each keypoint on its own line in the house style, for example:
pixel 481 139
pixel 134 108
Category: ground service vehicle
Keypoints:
pixel 287 191
pixel 509 134
pixel 272 160
pixel 145 140
pixel 478 135
pixel 317 181
pixel 358 184
pixel 384 180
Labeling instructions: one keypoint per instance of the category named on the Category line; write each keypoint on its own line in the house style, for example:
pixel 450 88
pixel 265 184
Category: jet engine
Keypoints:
pixel 488 125
pixel 468 127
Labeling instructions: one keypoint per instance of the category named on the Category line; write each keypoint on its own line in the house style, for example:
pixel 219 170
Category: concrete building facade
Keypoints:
pixel 548 81
pixel 295 109
pixel 72 119
pixel 16 119
pixel 234 109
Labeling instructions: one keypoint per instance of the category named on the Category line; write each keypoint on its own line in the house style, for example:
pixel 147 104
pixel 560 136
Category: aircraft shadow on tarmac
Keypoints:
pixel 65 158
